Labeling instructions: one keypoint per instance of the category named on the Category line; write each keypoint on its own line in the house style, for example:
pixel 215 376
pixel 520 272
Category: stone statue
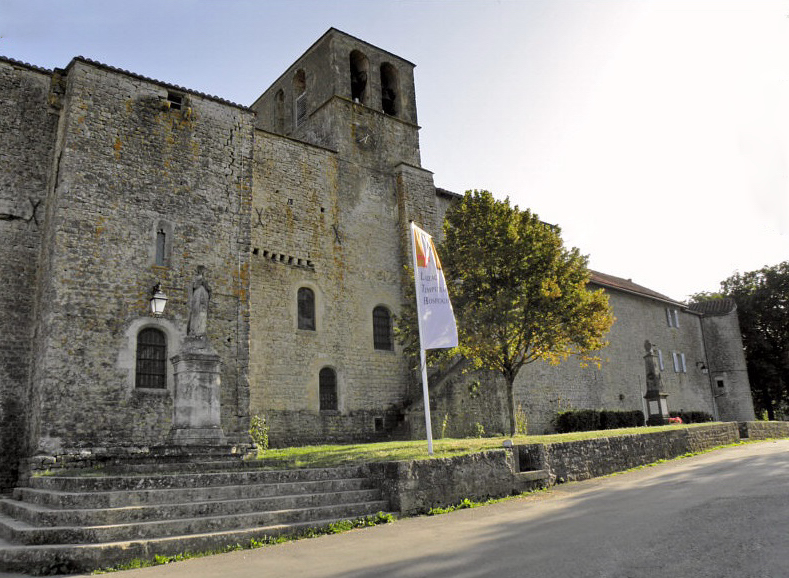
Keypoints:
pixel 199 296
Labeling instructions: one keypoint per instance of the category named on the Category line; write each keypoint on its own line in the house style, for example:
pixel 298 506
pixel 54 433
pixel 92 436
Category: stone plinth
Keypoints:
pixel 196 408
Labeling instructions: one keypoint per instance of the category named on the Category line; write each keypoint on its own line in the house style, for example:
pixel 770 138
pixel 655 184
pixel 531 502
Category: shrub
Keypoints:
pixel 258 431
pixel 592 419
pixel 577 420
pixel 693 416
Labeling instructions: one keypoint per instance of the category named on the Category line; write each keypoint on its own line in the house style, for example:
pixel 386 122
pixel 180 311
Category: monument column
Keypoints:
pixel 196 406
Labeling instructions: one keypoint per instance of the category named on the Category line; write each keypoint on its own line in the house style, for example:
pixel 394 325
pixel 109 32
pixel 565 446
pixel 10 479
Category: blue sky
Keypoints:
pixel 654 132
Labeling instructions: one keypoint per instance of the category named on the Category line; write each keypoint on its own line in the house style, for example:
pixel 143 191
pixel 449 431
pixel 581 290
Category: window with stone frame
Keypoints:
pixel 327 385
pixel 306 309
pixel 151 369
pixel 382 329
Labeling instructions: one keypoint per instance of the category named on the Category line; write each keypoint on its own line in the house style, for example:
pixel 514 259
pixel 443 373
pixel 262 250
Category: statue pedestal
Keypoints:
pixel 196 408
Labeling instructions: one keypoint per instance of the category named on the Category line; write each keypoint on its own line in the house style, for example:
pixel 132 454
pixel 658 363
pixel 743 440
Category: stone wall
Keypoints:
pixel 129 165
pixel 619 382
pixel 580 460
pixel 762 430
pixel 728 370
pixel 331 225
pixel 413 487
pixel 28 127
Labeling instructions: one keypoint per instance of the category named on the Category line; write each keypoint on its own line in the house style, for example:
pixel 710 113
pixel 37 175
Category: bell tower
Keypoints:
pixel 349 96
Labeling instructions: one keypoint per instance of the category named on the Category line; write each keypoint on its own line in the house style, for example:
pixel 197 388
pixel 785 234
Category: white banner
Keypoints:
pixel 437 329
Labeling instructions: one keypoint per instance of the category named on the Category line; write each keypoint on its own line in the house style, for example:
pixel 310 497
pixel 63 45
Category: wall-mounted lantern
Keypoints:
pixel 158 300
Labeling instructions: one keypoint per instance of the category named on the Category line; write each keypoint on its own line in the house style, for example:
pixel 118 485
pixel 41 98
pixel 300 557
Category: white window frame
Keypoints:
pixel 672 317
pixel 680 365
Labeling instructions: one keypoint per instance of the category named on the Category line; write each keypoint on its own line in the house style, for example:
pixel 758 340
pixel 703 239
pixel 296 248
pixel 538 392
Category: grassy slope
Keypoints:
pixel 332 455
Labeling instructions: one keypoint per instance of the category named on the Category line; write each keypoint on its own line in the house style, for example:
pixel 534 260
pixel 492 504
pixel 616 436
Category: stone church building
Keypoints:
pixel 113 185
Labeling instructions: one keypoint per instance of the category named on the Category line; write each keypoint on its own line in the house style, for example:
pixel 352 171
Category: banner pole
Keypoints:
pixel 426 396
pixel 422 357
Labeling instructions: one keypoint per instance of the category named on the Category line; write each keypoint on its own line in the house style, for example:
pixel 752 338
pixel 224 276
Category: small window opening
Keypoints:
pixel 176 101
pixel 151 359
pixel 720 383
pixel 161 248
pixel 306 309
pixel 379 424
pixel 382 329
pixel 327 383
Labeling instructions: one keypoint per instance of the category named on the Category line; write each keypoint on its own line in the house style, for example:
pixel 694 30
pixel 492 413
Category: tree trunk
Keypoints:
pixel 511 404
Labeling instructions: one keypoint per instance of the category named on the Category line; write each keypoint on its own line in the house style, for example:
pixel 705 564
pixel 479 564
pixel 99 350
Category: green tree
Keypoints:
pixel 518 294
pixel 762 299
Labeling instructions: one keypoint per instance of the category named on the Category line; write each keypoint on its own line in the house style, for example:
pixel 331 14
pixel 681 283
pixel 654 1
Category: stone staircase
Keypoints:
pixel 88 520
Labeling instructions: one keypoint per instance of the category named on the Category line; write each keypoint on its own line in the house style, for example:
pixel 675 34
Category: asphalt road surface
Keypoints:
pixel 722 514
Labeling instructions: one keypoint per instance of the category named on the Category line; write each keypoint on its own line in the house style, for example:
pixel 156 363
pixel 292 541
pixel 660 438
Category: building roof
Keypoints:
pixel 627 285
pixel 721 306
pixel 15 62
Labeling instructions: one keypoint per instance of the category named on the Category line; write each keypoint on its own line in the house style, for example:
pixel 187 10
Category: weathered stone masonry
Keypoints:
pixel 298 207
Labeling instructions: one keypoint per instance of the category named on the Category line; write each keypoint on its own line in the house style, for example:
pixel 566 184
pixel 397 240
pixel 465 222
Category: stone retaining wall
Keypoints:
pixel 414 487
pixel 761 430
pixel 581 460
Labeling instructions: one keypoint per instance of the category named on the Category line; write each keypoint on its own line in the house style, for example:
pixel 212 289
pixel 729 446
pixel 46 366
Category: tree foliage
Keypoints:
pixel 518 294
pixel 762 299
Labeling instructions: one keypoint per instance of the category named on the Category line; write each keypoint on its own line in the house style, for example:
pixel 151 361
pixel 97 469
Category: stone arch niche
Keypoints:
pixel 360 90
pixel 390 90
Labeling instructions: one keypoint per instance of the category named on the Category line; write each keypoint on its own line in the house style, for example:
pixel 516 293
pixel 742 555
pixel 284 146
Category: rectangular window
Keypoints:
pixel 672 317
pixel 680 365
pixel 660 359
pixel 161 246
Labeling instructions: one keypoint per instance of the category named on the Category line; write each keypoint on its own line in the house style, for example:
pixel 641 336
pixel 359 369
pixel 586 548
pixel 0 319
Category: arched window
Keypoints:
pixel 390 90
pixel 151 359
pixel 382 329
pixel 359 68
pixel 299 97
pixel 306 308
pixel 327 384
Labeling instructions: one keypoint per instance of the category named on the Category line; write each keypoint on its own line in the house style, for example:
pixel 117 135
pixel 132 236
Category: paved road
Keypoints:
pixel 722 514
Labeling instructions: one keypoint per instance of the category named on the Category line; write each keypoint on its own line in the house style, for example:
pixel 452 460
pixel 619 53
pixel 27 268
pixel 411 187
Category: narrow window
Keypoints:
pixel 300 97
pixel 720 383
pixel 682 363
pixel 306 309
pixel 161 247
pixel 660 359
pixel 151 359
pixel 389 89
pixel 675 357
pixel 327 383
pixel 672 317
pixel 382 329
pixel 359 68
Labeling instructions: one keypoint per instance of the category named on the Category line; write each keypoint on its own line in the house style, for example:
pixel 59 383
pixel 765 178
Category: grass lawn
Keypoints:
pixel 333 455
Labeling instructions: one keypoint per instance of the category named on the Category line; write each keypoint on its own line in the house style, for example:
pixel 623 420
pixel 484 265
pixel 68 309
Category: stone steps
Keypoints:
pixel 81 522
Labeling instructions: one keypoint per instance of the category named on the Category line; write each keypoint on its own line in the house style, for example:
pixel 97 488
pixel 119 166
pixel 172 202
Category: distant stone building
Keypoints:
pixel 297 207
